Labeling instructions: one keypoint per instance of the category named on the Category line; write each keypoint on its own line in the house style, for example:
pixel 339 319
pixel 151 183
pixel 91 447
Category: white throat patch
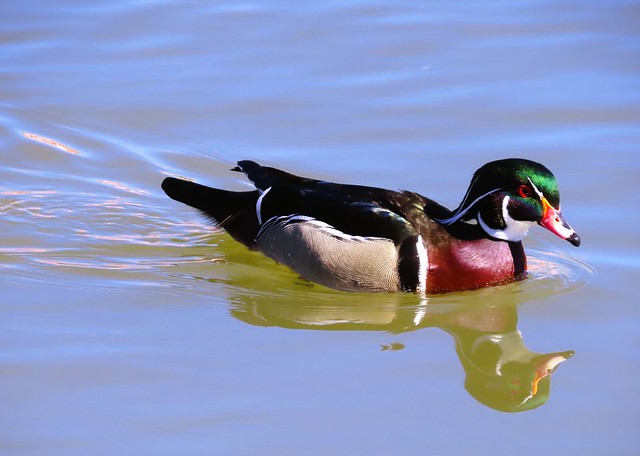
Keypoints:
pixel 514 231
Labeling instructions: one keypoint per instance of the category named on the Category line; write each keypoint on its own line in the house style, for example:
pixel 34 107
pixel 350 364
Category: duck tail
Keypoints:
pixel 233 211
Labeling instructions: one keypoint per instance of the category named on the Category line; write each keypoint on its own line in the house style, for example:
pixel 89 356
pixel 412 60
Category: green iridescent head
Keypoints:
pixel 507 196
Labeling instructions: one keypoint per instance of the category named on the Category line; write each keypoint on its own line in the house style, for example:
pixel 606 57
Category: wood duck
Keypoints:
pixel 358 238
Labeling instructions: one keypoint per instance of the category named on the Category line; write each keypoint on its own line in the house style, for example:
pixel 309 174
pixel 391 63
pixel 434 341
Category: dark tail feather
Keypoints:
pixel 233 211
pixel 264 177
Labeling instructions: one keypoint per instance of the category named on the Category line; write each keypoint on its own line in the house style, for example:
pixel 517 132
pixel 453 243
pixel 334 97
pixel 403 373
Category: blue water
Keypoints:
pixel 129 326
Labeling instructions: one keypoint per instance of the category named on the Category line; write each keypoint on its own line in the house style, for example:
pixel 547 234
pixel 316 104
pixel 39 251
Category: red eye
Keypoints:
pixel 524 191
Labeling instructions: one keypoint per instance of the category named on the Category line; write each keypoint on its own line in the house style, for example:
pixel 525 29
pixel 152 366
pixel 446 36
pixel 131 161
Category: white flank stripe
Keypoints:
pixel 282 220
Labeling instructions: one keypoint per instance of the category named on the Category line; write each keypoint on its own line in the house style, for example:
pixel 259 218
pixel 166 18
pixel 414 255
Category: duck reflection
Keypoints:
pixel 501 372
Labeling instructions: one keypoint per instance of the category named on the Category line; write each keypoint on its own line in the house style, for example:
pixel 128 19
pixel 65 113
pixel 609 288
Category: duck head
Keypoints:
pixel 506 197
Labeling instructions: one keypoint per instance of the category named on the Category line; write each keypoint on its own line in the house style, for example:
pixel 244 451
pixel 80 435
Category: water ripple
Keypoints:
pixel 553 273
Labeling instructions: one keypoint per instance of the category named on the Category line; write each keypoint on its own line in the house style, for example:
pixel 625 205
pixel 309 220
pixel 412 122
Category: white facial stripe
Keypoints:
pixel 535 189
pixel 466 195
pixel 456 216
pixel 259 205
pixel 514 231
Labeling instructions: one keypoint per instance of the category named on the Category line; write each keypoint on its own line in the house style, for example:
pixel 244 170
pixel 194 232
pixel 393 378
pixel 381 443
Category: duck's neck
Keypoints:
pixel 485 220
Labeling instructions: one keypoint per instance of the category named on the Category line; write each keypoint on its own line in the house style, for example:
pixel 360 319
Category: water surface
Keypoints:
pixel 129 326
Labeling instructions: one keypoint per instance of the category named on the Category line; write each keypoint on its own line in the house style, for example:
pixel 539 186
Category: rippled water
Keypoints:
pixel 129 326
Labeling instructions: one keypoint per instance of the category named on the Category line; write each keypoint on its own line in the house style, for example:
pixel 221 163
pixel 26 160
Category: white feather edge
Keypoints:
pixel 462 211
pixel 259 205
pixel 323 226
